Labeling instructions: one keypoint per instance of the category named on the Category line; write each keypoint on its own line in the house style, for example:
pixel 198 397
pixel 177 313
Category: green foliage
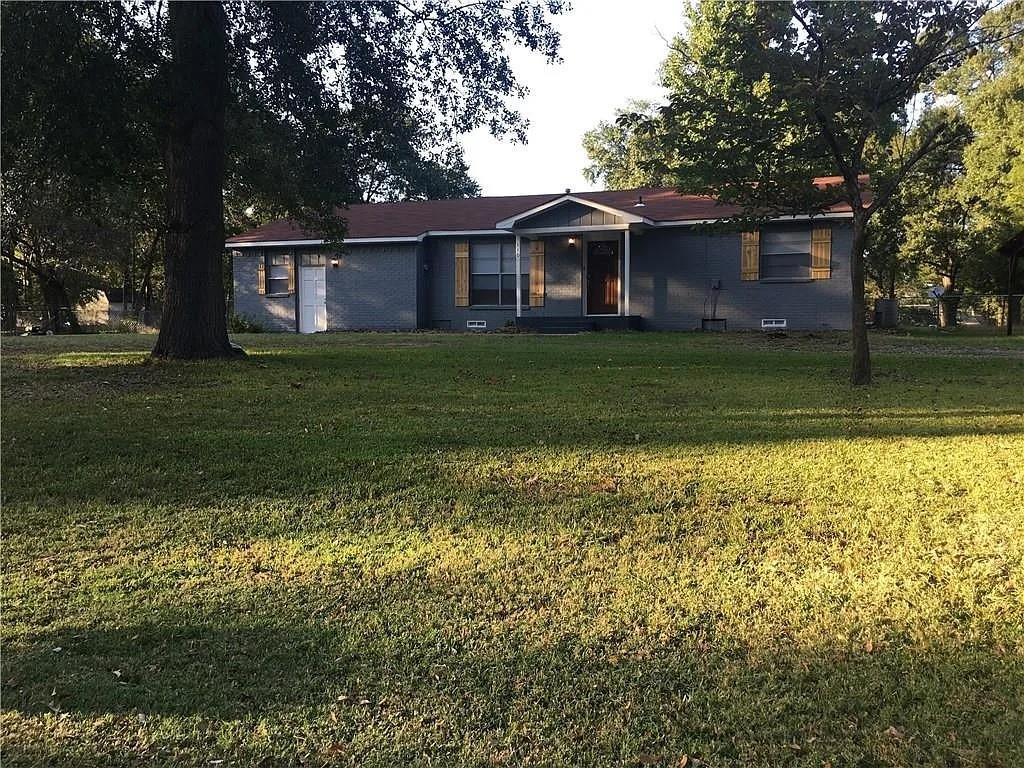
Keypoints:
pixel 434 549
pixel 990 88
pixel 620 156
pixel 242 324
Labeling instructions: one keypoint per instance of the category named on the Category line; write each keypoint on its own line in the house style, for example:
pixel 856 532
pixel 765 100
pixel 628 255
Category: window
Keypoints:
pixel 785 254
pixel 492 279
pixel 278 272
pixel 313 259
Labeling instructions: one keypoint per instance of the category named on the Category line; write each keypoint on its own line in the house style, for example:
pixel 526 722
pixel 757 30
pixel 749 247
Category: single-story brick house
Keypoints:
pixel 613 259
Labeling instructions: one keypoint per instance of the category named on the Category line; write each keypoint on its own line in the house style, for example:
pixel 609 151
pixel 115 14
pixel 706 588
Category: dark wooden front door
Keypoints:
pixel 603 277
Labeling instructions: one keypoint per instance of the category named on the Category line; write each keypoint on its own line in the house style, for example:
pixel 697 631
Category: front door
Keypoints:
pixel 603 277
pixel 313 299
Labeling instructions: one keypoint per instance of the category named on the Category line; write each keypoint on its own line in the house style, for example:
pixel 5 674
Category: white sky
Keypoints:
pixel 611 51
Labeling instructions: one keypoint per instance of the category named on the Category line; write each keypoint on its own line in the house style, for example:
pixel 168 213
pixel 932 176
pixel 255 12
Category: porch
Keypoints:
pixel 585 252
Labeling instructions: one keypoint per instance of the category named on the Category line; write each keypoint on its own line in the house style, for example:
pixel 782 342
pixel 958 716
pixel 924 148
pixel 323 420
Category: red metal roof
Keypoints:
pixel 413 218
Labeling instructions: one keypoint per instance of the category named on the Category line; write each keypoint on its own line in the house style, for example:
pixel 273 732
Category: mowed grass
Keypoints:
pixel 445 550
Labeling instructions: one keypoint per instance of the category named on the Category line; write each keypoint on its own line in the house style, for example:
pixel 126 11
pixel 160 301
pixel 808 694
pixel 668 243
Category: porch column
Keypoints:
pixel 519 276
pixel 625 258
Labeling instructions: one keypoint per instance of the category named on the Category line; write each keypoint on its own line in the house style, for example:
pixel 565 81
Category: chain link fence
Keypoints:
pixel 35 320
pixel 979 310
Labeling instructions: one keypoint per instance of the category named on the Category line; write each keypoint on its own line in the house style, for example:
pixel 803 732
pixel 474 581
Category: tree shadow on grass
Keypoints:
pixel 556 700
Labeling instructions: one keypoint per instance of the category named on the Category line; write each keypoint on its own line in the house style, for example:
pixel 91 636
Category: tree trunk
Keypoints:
pixel 949 304
pixel 860 371
pixel 194 323
pixel 58 304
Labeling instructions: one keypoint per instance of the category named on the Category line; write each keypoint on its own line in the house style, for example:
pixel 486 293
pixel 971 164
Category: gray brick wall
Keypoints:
pixel 274 313
pixel 673 270
pixel 374 288
pixel 402 287
pixel 563 286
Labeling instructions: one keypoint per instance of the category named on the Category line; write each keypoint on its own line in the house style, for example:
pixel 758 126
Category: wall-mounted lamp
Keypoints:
pixel 334 263
pixel 572 242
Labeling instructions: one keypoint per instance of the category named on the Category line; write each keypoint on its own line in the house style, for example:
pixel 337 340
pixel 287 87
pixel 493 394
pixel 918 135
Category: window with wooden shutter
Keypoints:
pixel 750 255
pixel 261 276
pixel 821 253
pixel 462 273
pixel 536 273
pixel 280 274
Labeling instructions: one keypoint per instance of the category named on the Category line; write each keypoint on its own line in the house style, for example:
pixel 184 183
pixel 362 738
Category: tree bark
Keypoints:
pixel 949 303
pixel 57 301
pixel 194 324
pixel 860 372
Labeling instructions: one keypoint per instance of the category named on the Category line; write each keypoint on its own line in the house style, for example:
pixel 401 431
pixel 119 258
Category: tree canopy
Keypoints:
pixel 764 97
pixel 327 104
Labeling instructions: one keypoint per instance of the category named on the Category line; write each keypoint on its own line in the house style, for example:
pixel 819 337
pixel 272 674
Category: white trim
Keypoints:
pixel 461 232
pixel 301 243
pixel 794 217
pixel 626 268
pixel 631 218
pixel 519 276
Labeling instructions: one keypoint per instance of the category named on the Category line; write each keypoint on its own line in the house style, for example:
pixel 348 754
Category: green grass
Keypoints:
pixel 612 549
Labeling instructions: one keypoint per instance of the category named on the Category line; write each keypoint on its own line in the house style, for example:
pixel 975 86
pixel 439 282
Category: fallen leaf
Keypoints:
pixel 869 646
pixel 683 761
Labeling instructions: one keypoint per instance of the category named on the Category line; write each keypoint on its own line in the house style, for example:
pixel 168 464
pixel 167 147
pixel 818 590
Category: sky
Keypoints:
pixel 611 51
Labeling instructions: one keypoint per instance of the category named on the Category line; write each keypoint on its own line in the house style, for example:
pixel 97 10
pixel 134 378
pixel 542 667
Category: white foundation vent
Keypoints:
pixel 476 325
pixel 773 323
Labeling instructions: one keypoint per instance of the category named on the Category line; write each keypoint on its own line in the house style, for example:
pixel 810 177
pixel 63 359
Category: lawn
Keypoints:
pixel 509 550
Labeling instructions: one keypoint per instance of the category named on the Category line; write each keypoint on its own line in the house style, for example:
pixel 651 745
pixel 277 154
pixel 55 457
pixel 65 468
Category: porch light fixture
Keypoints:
pixel 335 263
pixel 572 241
pixel 640 202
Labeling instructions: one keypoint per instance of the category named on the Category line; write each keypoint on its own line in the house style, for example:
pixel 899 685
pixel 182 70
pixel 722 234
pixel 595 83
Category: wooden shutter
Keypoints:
pixel 536 273
pixel 261 275
pixel 462 273
pixel 750 255
pixel 291 273
pixel 821 253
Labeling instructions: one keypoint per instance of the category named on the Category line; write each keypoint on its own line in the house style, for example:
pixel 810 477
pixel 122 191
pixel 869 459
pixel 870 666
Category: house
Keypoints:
pixel 609 259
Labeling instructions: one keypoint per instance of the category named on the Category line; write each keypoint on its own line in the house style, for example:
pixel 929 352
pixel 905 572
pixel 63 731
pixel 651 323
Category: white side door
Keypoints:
pixel 313 299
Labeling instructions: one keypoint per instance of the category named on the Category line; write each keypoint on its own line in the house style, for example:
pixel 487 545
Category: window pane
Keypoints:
pixel 280 259
pixel 483 289
pixel 508 289
pixel 783 265
pixel 277 285
pixel 313 260
pixel 278 272
pixel 786 240
pixel 483 258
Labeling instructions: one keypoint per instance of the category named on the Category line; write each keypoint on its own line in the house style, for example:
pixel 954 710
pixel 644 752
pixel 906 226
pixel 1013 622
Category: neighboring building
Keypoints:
pixel 593 259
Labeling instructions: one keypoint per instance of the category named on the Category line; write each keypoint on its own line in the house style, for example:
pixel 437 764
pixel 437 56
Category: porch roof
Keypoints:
pixel 412 220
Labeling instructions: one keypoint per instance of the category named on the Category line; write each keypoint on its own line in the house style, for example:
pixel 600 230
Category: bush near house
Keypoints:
pixel 613 549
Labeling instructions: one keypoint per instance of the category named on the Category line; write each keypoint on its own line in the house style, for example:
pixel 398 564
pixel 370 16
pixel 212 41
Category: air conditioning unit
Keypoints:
pixel 773 323
pixel 476 325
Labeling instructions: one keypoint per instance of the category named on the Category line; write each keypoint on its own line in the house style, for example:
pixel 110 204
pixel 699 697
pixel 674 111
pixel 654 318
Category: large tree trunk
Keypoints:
pixel 194 323
pixel 949 304
pixel 860 371
pixel 58 304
